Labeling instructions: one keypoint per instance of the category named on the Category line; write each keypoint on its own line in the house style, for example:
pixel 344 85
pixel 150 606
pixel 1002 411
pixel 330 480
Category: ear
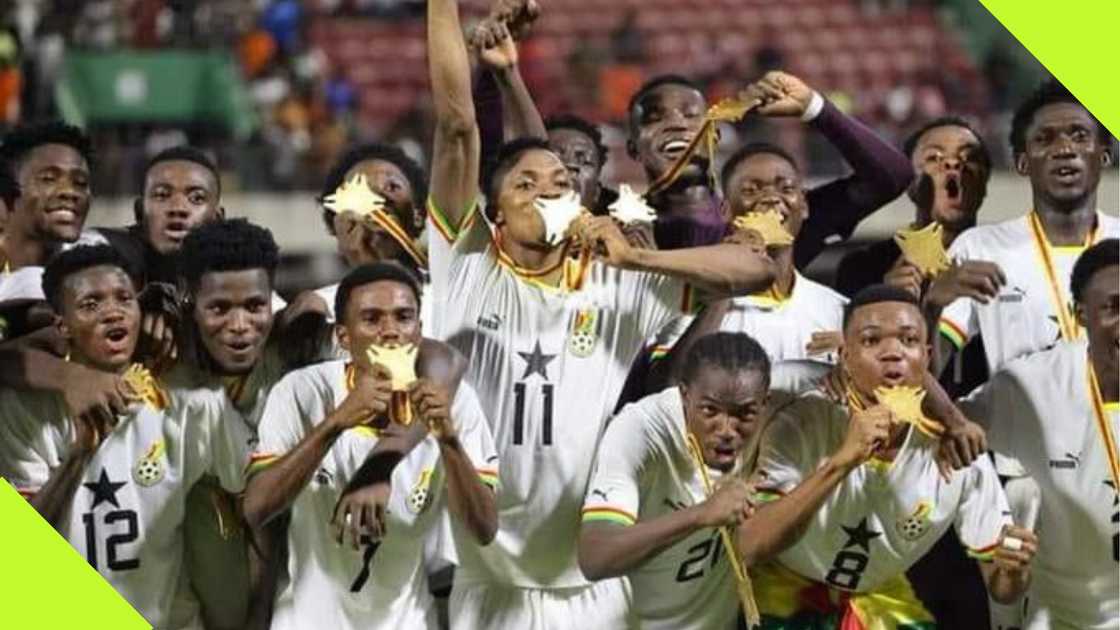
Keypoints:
pixel 63 329
pixel 343 337
pixel 221 213
pixel 1106 158
pixel 1022 166
pixel 1079 313
pixel 138 210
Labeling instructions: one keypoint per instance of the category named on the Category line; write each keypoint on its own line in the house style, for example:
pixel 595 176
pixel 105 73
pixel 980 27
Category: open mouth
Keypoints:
pixel 725 451
pixel 674 147
pixel 67 214
pixel 1066 174
pixel 953 188
pixel 239 348
pixel 176 231
pixel 894 377
pixel 116 339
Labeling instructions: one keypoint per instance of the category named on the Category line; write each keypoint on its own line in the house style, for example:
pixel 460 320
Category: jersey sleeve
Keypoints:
pixel 282 424
pixel 32 444
pixel 659 300
pixel 783 457
pixel 983 510
pixel 997 406
pixel 958 321
pixel 614 493
pixel 475 435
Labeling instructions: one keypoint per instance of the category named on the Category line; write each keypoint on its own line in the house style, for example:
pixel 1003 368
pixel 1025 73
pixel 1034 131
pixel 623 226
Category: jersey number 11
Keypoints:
pixel 519 414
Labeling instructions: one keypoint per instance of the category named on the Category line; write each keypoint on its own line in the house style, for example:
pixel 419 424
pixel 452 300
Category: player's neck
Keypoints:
pixel 783 257
pixel 1108 374
pixel 17 251
pixel 683 199
pixel 532 259
pixel 1066 225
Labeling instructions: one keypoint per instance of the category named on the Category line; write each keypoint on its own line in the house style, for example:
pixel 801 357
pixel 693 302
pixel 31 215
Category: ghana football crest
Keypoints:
pixel 584 332
pixel 917 524
pixel 149 469
pixel 420 497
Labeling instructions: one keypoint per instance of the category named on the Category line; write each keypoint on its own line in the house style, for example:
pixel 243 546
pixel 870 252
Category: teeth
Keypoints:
pixel 675 145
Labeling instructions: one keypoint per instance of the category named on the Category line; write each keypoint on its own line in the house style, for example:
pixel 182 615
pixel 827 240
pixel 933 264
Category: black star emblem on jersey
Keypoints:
pixel 536 362
pixel 104 489
pixel 861 535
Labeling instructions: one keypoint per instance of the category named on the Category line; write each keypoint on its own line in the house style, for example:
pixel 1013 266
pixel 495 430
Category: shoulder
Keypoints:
pixel 822 293
pixel 1109 225
pixel 315 377
pixel 656 416
pixel 994 235
pixel 809 418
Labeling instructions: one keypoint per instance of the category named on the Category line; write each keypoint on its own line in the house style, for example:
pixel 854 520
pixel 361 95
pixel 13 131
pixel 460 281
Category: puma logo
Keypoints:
pixel 493 322
pixel 1070 462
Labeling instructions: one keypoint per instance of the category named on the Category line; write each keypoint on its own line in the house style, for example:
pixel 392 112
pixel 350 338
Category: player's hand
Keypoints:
pixel 495 45
pixel 431 404
pixel 868 431
pixel 834 385
pixel 517 15
pixel 96 399
pixel 782 94
pixel 750 238
pixel 304 328
pixel 640 235
pixel 977 279
pixel 361 512
pixel 825 342
pixel 605 238
pixel 1014 560
pixel 157 341
pixel 368 400
pixel 728 506
pixel 904 275
pixel 962 443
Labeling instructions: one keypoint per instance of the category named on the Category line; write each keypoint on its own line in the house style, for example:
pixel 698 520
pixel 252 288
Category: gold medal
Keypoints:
pixel 356 198
pixel 143 387
pixel 768 225
pixel 906 405
pixel 149 469
pixel 924 249
pixel 401 363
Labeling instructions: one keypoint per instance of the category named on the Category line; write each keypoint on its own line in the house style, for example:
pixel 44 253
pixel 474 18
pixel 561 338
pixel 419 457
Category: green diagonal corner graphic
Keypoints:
pixel 45 583
pixel 1076 41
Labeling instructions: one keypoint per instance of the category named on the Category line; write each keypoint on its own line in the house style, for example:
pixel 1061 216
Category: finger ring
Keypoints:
pixel 1012 543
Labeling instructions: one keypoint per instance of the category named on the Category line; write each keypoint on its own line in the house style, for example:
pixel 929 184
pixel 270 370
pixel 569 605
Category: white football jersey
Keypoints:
pixel 127 513
pixel 1038 410
pixel 1024 317
pixel 644 470
pixel 383 585
pixel 782 326
pixel 549 364
pixel 884 516
pixel 25 283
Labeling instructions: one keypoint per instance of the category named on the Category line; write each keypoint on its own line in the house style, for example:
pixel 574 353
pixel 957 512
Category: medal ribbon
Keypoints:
pixel 1104 426
pixel 742 579
pixel 389 223
pixel 1067 325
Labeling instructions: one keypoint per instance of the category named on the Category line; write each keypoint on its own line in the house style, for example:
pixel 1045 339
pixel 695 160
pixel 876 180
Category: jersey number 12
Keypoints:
pixel 130 534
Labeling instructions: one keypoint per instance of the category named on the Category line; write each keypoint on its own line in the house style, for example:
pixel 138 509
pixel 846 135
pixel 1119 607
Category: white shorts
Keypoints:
pixel 603 605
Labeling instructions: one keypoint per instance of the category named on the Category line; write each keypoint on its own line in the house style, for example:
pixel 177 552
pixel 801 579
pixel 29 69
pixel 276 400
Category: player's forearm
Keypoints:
pixel 522 119
pixel 777 526
pixel 271 491
pixel 1004 586
pixel 665 372
pixel 266 561
pixel 53 500
pixel 880 171
pixel 938 405
pixel 725 270
pixel 943 351
pixel 455 148
pixel 607 550
pixel 469 500
pixel 25 365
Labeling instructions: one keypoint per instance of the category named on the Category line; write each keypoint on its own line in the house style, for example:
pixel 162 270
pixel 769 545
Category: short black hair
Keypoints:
pixel 1104 254
pixel 648 87
pixel 728 351
pixel 366 274
pixel 25 138
pixel 417 179
pixel 496 167
pixel 582 125
pixel 910 144
pixel 185 153
pixel 77 259
pixel 227 245
pixel 9 187
pixel 874 294
pixel 1049 92
pixel 748 151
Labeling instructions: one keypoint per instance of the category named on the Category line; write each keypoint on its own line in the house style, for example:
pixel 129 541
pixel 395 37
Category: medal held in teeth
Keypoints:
pixel 924 249
pixel 768 225
pixel 558 215
pixel 355 198
pixel 906 404
pixel 401 363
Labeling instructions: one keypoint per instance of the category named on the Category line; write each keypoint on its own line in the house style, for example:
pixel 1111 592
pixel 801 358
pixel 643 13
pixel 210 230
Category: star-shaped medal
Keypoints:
pixel 768 225
pixel 924 249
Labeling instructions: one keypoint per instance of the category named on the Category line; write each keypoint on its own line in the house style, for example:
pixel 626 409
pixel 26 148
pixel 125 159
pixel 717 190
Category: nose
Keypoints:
pixel 1064 147
pixel 389 334
pixel 239 320
pixel 951 164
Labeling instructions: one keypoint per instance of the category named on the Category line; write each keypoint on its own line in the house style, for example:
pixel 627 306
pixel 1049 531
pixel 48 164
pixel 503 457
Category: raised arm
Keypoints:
pixel 497 50
pixel 455 159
